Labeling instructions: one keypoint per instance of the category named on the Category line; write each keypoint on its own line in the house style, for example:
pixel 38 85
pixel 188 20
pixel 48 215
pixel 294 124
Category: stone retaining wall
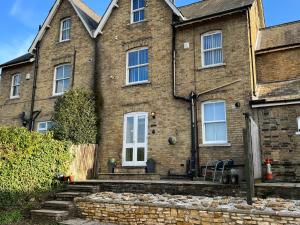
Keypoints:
pixel 155 210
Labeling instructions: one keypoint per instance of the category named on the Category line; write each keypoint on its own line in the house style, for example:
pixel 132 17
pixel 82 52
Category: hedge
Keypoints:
pixel 29 162
pixel 75 118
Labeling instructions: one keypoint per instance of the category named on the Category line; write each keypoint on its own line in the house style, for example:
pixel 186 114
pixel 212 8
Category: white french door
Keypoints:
pixel 135 139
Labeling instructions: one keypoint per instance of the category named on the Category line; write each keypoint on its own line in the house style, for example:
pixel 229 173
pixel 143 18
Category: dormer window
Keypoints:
pixel 65 30
pixel 15 86
pixel 137 11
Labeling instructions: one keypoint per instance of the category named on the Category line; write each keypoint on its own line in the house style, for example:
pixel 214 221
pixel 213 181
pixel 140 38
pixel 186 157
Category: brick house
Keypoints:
pixel 175 81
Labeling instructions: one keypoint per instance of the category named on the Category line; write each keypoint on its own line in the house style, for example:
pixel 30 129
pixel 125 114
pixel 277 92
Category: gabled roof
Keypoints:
pixel 87 16
pixel 28 57
pixel 279 36
pixel 114 4
pixel 206 8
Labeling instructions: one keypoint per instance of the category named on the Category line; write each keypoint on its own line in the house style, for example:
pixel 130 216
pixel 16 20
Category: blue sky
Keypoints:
pixel 19 20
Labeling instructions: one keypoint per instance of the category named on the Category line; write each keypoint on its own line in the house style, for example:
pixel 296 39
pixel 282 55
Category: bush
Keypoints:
pixel 10 217
pixel 29 163
pixel 75 118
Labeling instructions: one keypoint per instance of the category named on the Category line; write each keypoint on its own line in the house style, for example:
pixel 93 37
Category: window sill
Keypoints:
pixel 215 145
pixel 136 23
pixel 63 41
pixel 136 84
pixel 297 133
pixel 134 165
pixel 14 97
pixel 212 66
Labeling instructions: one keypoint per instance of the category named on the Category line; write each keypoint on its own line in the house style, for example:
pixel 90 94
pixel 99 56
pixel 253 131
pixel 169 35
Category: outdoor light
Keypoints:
pixel 153 114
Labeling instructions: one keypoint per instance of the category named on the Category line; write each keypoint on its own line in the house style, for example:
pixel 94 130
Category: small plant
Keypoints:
pixel 8 217
pixel 75 117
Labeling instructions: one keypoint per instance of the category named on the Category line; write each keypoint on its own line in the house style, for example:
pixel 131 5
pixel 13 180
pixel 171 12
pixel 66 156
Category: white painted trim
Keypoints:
pixel 12 86
pixel 38 124
pixel 140 65
pixel 54 79
pixel 298 123
pixel 262 105
pixel 114 4
pixel 203 124
pixel 61 30
pixel 203 51
pixel 135 145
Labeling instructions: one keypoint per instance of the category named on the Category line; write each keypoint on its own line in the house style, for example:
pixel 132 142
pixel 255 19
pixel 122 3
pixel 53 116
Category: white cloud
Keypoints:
pixel 15 48
pixel 23 12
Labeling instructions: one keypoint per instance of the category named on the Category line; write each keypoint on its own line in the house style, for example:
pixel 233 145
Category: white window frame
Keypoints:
pixel 43 130
pixel 54 80
pixel 136 66
pixel 135 145
pixel 136 10
pixel 216 121
pixel 212 49
pixel 66 29
pixel 298 125
pixel 12 96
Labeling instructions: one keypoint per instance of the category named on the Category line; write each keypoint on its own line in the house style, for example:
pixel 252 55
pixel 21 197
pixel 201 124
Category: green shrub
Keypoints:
pixel 28 164
pixel 9 217
pixel 75 118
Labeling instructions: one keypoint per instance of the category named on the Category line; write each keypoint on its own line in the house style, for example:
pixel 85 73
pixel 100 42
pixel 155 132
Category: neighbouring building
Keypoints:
pixel 175 82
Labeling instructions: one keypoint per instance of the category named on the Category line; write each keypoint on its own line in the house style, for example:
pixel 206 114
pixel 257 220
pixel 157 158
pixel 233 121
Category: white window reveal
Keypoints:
pixel 137 11
pixel 137 66
pixel 62 79
pixel 65 30
pixel 43 127
pixel 135 139
pixel 298 121
pixel 15 86
pixel 214 126
pixel 212 52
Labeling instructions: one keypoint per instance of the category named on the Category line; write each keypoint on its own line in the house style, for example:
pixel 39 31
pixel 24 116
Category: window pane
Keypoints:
pixel 133 75
pixel 129 130
pixel 217 40
pixel 136 16
pixel 42 126
pixel 133 58
pixel 141 129
pixel 218 56
pixel 210 132
pixel 49 125
pixel 143 56
pixel 59 86
pixel 209 112
pixel 67 71
pixel 208 58
pixel 207 42
pixel 220 129
pixel 129 154
pixel 219 111
pixel 66 24
pixel 142 15
pixel 16 91
pixel 141 3
pixel 16 80
pixel 59 73
pixel 135 4
pixel 143 73
pixel 66 84
pixel 140 154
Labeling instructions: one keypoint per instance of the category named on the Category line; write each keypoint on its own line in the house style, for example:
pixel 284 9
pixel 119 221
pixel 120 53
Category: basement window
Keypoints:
pixel 212 52
pixel 214 124
pixel 298 121
pixel 15 86
pixel 137 11
pixel 43 127
pixel 65 30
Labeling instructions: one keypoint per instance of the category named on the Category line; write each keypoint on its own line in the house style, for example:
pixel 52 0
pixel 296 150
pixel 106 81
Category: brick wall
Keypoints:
pixel 279 141
pixel 278 66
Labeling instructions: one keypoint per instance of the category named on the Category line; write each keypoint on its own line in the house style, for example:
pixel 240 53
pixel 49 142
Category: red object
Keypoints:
pixel 71 179
pixel 269 174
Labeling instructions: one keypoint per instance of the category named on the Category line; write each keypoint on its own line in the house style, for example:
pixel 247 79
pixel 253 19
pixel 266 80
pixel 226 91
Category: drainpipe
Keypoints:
pixel 251 52
pixel 36 65
pixel 192 99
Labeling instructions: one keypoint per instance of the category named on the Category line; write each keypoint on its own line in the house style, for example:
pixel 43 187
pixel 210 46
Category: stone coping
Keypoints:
pixel 269 207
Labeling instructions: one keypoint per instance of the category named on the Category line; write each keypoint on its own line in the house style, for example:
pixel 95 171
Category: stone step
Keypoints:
pixel 59 205
pixel 48 215
pixel 70 195
pixel 128 176
pixel 82 222
pixel 83 188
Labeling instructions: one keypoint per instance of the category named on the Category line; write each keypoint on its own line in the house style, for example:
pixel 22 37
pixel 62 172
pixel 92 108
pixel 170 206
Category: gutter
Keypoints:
pixel 264 103
pixel 212 16
pixel 16 64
